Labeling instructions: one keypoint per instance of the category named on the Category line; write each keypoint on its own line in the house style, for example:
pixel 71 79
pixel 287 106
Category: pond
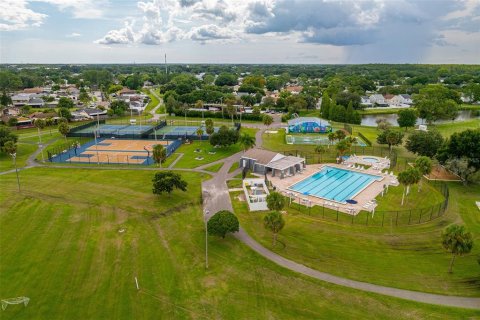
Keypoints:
pixel 370 119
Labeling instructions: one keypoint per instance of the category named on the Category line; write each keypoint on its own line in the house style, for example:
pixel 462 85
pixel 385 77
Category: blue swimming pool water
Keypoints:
pixel 334 184
pixel 372 160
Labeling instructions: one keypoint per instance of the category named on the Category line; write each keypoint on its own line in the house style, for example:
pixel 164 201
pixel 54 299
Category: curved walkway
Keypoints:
pixel 216 197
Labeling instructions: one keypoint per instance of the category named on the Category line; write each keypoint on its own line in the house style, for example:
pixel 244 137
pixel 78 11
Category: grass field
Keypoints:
pixel 409 257
pixel 153 100
pixel 214 167
pixel 61 246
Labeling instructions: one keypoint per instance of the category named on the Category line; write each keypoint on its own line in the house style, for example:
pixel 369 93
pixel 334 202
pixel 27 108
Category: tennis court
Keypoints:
pixel 117 151
pixel 116 129
pixel 315 140
pixel 180 131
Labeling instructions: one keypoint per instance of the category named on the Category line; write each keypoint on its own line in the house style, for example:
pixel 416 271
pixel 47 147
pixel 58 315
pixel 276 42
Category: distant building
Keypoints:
pixel 377 99
pixel 401 99
pixel 294 89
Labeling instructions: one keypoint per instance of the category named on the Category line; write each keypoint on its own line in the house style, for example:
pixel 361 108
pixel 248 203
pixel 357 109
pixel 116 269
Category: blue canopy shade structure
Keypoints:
pixel 308 125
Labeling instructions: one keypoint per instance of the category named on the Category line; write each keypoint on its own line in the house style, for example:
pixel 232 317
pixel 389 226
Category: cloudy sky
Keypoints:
pixel 240 31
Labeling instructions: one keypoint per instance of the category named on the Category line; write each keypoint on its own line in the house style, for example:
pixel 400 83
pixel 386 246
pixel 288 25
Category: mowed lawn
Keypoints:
pixel 74 241
pixel 407 257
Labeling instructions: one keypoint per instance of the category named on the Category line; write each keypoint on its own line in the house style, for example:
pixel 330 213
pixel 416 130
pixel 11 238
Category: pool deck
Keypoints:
pixel 363 197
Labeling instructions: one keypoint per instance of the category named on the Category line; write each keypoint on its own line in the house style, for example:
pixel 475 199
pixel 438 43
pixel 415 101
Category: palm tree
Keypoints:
pixel 351 140
pixel 341 147
pixel 274 222
pixel 199 133
pixel 424 166
pixel 231 110
pixel 199 105
pixel 275 201
pixel 159 154
pixel 64 129
pixel 457 241
pixel 331 137
pixel 319 149
pixel 340 134
pixel 247 141
pixel 407 178
pixel 267 120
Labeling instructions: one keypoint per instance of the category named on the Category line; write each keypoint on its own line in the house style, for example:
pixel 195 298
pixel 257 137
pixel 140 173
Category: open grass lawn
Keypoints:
pixel 234 167
pixel 447 129
pixel 188 160
pixel 62 247
pixel 214 167
pixel 153 101
pixel 380 111
pixel 408 257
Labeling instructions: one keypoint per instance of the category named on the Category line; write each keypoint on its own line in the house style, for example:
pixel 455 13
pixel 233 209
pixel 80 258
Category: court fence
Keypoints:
pixel 64 152
pixel 377 218
pixel 330 154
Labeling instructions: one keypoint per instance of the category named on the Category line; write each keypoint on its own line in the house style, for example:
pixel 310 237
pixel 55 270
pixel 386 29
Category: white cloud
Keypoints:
pixel 14 15
pixel 81 9
pixel 73 35
pixel 123 35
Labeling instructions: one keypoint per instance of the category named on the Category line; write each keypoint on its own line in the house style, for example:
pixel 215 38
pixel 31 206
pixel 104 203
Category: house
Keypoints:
pixel 93 112
pixel 365 100
pixel 294 89
pixel 264 161
pixel 42 115
pixel 377 99
pixel 12 111
pixel 80 115
pixel 36 103
pixel 21 99
pixel 401 100
pixel 388 98
pixel 35 90
pixel 137 106
pixel 126 92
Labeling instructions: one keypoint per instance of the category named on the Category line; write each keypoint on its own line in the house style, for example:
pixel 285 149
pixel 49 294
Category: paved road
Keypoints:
pixel 153 112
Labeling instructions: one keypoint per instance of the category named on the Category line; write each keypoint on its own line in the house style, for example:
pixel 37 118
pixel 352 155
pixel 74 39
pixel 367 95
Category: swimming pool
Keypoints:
pixel 334 184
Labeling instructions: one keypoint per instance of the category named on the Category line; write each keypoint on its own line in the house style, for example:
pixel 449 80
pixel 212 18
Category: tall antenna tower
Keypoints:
pixel 166 71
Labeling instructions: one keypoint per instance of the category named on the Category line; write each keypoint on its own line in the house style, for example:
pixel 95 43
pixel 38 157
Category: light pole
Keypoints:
pixel 205 216
pixel 14 157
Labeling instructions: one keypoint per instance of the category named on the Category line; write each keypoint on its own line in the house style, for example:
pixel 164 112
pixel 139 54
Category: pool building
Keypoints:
pixel 264 161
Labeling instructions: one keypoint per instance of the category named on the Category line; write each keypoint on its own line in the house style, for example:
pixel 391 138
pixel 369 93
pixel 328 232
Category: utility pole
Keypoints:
pixel 166 70
pixel 205 215
pixel 14 156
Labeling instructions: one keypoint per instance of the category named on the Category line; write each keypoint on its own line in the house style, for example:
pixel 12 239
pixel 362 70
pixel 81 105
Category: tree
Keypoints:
pixel 65 102
pixel 424 166
pixel 221 223
pixel 319 149
pixel 461 167
pixel 383 124
pixel 424 143
pixel 226 79
pixel 199 133
pixel 407 118
pixel 119 107
pixel 342 146
pixel 209 123
pixel 407 178
pixel 224 137
pixel 332 137
pixel 390 137
pixel 247 141
pixel 65 113
pixel 457 241
pixel 340 134
pixel 64 129
pixel 267 120
pixel 463 144
pixel 26 109
pixel 167 181
pixel 6 135
pixel 159 154
pixel 84 97
pixel 436 102
pixel 325 107
pixel 5 99
pixel 275 201
pixel 274 222
pixel 12 122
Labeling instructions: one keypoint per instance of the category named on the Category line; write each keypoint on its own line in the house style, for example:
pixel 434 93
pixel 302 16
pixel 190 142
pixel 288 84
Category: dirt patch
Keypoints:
pixel 441 173
pixel 240 197
pixel 170 211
